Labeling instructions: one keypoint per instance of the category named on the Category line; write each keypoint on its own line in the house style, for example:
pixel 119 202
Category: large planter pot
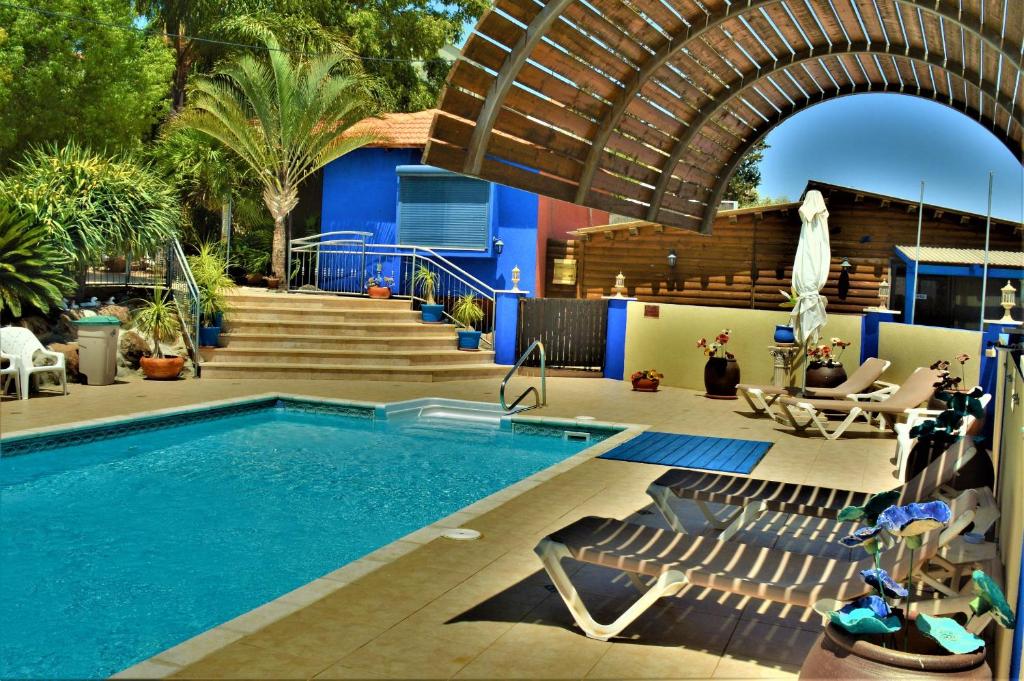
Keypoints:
pixel 163 368
pixel 839 655
pixel 784 335
pixel 379 292
pixel 273 283
pixel 646 385
pixel 469 340
pixel 209 336
pixel 820 375
pixel 976 428
pixel 431 314
pixel 253 279
pixel 721 376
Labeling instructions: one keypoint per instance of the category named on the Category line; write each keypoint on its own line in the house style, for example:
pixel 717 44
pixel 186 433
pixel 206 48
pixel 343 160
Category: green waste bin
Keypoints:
pixel 97 348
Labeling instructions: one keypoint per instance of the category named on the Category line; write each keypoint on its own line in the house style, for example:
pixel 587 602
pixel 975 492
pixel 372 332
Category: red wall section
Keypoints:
pixel 555 219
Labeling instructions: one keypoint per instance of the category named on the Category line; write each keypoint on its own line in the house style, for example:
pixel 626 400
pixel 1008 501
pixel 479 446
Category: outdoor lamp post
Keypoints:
pixel 620 284
pixel 883 294
pixel 1007 303
pixel 515 278
pixel 672 258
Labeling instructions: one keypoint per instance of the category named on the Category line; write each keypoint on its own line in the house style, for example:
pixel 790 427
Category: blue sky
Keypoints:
pixel 887 144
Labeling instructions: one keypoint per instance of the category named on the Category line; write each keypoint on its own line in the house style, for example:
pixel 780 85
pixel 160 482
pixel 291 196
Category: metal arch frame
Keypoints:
pixel 740 85
pixel 845 91
pixel 610 121
pixel 506 77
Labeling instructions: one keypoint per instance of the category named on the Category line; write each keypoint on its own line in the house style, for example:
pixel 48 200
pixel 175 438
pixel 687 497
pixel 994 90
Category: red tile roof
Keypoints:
pixel 397 130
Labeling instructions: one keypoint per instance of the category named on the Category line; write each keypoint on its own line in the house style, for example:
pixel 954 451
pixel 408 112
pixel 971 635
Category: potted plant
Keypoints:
pixel 722 372
pixel 379 286
pixel 871 638
pixel 467 313
pixel 255 264
pixel 646 381
pixel 784 334
pixel 159 320
pixel 426 279
pixel 210 271
pixel 824 368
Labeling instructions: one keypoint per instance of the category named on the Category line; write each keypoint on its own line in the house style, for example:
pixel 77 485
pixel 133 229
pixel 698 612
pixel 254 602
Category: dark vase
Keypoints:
pixel 784 335
pixel 721 376
pixel 840 655
pixel 821 375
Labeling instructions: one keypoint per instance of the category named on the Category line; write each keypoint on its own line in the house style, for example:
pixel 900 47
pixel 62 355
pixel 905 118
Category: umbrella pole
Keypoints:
pixel 984 274
pixel 917 255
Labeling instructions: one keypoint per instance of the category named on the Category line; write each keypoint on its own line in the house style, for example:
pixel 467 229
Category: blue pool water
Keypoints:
pixel 113 550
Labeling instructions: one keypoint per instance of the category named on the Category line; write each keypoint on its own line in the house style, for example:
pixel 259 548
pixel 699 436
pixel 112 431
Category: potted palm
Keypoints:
pixel 467 313
pixel 721 372
pixel 210 271
pixel 426 279
pixel 159 320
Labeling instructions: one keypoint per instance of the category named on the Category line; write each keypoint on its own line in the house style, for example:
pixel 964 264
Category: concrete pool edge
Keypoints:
pixel 175 658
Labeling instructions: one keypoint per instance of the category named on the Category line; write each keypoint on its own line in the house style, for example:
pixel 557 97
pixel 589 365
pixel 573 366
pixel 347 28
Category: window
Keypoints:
pixel 439 209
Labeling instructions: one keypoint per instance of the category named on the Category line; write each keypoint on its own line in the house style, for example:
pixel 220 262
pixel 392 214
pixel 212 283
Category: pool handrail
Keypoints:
pixel 542 396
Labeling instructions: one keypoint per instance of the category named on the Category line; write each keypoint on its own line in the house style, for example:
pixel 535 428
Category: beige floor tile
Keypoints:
pixel 398 653
pixel 731 669
pixel 764 642
pixel 625 661
pixel 240 661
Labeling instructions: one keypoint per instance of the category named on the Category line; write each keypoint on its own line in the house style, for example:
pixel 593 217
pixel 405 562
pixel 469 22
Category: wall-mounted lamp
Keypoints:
pixel 620 284
pixel 515 278
pixel 498 244
pixel 883 294
pixel 672 258
pixel 1008 302
pixel 845 264
pixel 844 278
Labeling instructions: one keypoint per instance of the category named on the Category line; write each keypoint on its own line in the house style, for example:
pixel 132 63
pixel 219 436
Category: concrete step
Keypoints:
pixel 258 296
pixel 314 325
pixel 262 356
pixel 299 310
pixel 309 371
pixel 438 341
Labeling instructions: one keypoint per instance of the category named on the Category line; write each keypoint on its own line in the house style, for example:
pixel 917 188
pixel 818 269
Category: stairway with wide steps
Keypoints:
pixel 302 336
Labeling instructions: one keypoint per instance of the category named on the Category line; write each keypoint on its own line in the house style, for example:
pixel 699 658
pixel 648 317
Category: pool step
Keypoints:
pixel 266 357
pixel 363 372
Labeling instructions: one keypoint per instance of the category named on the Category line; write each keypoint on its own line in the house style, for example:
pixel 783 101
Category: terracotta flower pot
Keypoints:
pixel 162 368
pixel 253 279
pixel 721 376
pixel 840 655
pixel 646 385
pixel 379 292
pixel 273 282
pixel 821 375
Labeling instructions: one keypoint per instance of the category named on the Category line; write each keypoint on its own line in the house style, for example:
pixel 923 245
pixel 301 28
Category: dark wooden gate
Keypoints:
pixel 573 331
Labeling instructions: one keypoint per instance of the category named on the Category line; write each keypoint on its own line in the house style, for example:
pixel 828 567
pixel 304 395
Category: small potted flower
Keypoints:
pixel 379 286
pixel 646 381
pixel 784 333
pixel 871 637
pixel 467 313
pixel 824 368
pixel 721 372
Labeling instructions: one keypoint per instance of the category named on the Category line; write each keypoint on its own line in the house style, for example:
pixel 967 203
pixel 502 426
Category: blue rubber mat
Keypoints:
pixel 723 454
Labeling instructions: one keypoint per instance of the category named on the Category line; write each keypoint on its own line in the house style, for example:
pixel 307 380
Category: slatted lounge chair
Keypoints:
pixel 676 560
pixel 905 443
pixel 915 390
pixel 23 345
pixel 862 382
pixel 752 497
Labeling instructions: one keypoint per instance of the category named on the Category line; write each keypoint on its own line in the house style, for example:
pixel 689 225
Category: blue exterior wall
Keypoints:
pixel 361 193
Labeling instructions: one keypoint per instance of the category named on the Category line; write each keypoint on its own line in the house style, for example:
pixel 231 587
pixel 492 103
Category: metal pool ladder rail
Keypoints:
pixel 542 396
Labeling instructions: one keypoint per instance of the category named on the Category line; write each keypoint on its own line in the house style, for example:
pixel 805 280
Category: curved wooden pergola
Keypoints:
pixel 645 107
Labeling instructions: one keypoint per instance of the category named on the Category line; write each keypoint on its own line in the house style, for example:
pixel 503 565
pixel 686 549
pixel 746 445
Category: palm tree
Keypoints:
pixel 285 117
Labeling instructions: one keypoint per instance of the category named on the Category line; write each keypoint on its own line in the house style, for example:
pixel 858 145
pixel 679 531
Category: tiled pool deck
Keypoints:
pixel 428 607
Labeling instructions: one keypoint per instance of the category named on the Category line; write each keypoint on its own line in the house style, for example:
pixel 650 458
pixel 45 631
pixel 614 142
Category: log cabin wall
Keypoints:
pixel 749 255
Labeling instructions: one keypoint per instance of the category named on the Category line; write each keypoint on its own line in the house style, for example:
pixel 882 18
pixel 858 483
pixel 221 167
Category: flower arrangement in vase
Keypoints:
pixel 825 366
pixel 646 381
pixel 721 372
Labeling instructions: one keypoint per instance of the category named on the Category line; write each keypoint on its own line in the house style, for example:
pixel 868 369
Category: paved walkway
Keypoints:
pixel 484 609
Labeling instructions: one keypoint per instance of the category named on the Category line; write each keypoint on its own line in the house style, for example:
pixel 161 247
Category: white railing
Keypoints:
pixel 344 262
pixel 185 293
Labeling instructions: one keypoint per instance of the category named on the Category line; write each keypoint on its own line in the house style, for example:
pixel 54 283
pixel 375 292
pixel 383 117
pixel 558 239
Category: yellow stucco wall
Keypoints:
pixel 668 343
pixel 1011 502
pixel 909 347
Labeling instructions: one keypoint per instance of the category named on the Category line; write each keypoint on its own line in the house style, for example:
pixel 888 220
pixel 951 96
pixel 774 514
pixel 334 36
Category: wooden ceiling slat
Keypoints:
pixel 807 22
pixel 634 149
pixel 524 12
pixel 527 103
pixel 786 27
pixel 611 63
pixel 630 22
pixel 681 109
pixel 669 22
pixel 610 183
pixel 932 28
pixel 767 34
pixel 695 70
pixel 564 65
pixel 606 31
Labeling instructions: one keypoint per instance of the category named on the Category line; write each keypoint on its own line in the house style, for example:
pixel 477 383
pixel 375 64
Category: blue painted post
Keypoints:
pixel 869 330
pixel 615 338
pixel 506 325
pixel 1018 639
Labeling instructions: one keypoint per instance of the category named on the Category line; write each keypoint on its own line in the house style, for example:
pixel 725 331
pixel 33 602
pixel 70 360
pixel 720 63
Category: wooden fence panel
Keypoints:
pixel 573 331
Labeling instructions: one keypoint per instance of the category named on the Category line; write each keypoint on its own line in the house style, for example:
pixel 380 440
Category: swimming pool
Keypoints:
pixel 125 540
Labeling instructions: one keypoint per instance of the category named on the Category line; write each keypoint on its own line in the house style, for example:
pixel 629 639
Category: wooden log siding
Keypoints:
pixel 749 257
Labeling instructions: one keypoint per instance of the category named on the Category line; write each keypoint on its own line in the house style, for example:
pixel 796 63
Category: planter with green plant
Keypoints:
pixel 210 271
pixel 467 313
pixel 426 280
pixel 159 320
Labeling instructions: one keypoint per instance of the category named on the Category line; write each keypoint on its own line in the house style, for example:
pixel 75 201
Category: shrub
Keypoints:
pixel 31 269
pixel 91 204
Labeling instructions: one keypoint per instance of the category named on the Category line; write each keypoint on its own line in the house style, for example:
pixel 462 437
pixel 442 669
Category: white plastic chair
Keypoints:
pixel 22 345
pixel 10 373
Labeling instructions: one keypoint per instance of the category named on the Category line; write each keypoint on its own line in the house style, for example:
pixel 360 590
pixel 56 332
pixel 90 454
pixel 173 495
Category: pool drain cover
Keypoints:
pixel 461 534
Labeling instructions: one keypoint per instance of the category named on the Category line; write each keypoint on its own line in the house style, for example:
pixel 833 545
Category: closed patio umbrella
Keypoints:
pixel 810 271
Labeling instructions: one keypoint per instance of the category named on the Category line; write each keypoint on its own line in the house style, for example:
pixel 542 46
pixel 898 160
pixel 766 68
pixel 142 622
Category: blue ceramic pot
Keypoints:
pixel 208 336
pixel 431 313
pixel 784 334
pixel 469 340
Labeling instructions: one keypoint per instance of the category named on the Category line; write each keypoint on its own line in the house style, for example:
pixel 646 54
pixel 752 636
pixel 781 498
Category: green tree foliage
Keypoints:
pixel 284 116
pixel 63 79
pixel 744 182
pixel 92 204
pixel 31 269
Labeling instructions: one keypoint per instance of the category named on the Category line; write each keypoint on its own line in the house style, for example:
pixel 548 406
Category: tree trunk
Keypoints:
pixel 277 254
